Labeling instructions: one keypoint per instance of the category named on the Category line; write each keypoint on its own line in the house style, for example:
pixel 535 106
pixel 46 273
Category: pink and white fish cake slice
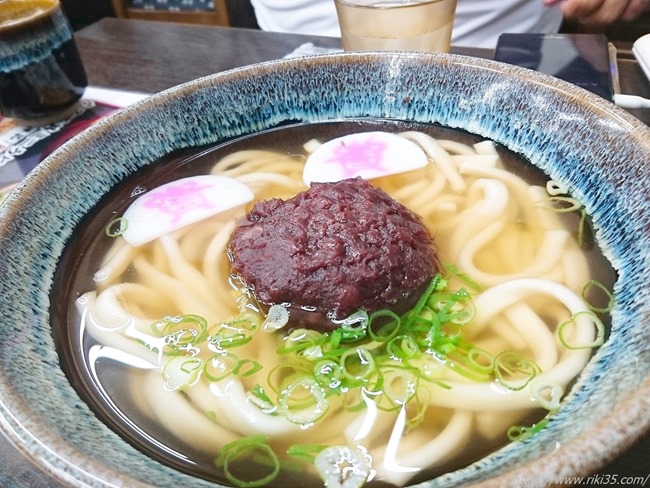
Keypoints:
pixel 180 203
pixel 366 154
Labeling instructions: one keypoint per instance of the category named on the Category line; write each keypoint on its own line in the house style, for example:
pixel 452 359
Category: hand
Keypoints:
pixel 599 13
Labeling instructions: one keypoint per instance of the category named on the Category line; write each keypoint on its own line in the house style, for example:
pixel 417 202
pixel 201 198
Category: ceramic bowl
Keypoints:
pixel 596 148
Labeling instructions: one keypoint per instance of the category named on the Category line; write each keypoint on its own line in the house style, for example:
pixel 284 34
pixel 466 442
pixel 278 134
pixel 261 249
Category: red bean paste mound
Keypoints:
pixel 333 250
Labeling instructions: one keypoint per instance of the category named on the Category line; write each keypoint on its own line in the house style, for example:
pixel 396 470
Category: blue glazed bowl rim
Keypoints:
pixel 457 91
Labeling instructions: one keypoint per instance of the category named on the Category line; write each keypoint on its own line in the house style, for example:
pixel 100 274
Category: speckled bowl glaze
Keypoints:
pixel 571 134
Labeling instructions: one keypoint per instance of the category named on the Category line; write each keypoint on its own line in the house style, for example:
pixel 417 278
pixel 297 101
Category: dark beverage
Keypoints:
pixel 41 74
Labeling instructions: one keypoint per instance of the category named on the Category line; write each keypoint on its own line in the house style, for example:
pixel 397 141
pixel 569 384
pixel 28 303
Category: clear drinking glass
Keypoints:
pixel 396 25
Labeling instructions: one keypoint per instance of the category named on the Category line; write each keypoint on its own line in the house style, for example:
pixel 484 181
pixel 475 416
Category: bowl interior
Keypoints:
pixel 595 148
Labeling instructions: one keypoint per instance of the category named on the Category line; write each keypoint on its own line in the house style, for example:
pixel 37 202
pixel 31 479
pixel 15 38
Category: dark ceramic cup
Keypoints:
pixel 41 73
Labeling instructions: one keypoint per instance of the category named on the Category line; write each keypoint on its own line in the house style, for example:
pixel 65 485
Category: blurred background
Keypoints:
pixel 239 13
pixel 233 13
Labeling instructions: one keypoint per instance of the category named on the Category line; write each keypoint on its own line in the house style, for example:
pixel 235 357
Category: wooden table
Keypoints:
pixel 151 56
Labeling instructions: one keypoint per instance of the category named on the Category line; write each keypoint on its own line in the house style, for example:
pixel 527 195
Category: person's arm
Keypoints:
pixel 598 13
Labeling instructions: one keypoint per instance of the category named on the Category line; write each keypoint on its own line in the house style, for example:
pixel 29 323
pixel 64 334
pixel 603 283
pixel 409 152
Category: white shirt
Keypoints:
pixel 314 17
pixel 478 22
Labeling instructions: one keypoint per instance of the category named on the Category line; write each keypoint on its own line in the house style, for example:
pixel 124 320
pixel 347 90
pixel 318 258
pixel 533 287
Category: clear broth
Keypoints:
pixel 107 393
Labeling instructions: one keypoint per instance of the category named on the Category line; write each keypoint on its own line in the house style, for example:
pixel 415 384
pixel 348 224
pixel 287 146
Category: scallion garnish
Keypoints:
pixel 300 339
pixel 305 452
pixel 364 352
pixel 513 371
pixel 303 401
pixel 381 358
pixel 220 366
pixel 357 365
pixel 565 332
pixel 258 396
pixel 329 374
pixel 233 333
pixel 116 227
pixel 522 432
pixel 383 325
pixel 343 466
pixel 182 333
pixel 181 371
pixel 472 362
pixel 276 318
pixel 234 459
pixel 560 201
pixel 403 347
pixel 593 286
pixel 547 394
pixel 399 386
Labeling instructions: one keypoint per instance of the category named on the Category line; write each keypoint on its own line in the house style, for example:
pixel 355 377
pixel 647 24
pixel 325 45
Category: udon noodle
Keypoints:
pixel 503 245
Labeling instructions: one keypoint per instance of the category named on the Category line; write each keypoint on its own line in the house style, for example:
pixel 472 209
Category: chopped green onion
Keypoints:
pixel 194 326
pixel 247 367
pixel 446 348
pixel 521 432
pixel 227 338
pixel 343 466
pixel 598 287
pixel 430 336
pixel 181 371
pixel 303 401
pixel 246 321
pixel 300 339
pixel 351 329
pixel 561 204
pixel 116 227
pixel 239 454
pixel 564 330
pixel 305 452
pixel 403 347
pixel 424 319
pixel 565 204
pixel 387 325
pixel 455 307
pixel 438 283
pixel 328 373
pixel 453 271
pixel 182 333
pixel 220 366
pixel 547 394
pixel 311 353
pixel 554 187
pixel 379 358
pixel 233 333
pixel 480 360
pixel 417 408
pixel 357 364
pixel 258 397
pixel 276 318
pixel 463 311
pixel 285 373
pixel 335 340
pixel 472 362
pixel 357 320
pixel 351 335
pixel 399 386
pixel 513 371
pixel 223 364
pixel 451 332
